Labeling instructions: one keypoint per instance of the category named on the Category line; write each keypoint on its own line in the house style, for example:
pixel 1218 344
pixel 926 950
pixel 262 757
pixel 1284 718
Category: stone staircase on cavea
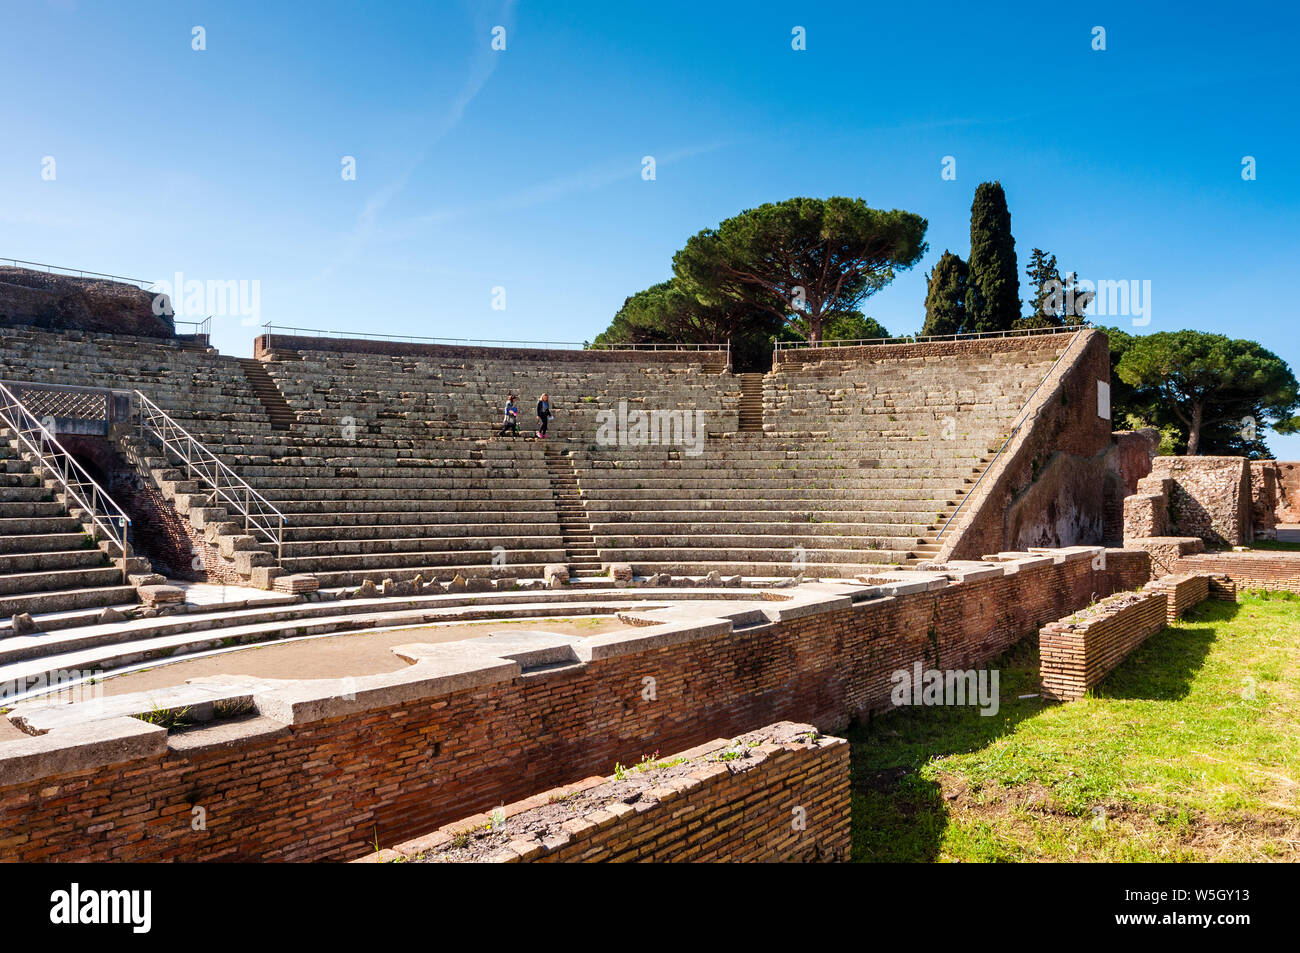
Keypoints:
pixel 386 463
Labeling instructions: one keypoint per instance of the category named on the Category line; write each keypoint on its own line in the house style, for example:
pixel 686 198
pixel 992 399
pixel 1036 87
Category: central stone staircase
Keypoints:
pixel 751 403
pixel 575 528
pixel 277 408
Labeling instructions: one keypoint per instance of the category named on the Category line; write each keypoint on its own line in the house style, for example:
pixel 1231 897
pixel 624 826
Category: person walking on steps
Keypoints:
pixel 511 423
pixel 544 415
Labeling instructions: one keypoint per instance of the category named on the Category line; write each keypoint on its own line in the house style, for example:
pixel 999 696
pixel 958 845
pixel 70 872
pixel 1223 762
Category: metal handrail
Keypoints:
pixel 652 346
pixel 201 328
pixel 58 463
pixel 260 515
pixel 928 338
pixel 1024 416
pixel 77 272
pixel 270 328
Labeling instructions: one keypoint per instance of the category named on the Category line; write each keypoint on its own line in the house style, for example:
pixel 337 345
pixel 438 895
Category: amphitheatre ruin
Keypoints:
pixel 702 573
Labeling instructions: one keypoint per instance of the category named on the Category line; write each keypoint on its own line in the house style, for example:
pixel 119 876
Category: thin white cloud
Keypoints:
pixel 585 180
pixel 367 222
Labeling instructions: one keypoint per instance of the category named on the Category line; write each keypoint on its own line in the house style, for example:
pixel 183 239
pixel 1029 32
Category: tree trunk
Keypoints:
pixel 814 329
pixel 1194 433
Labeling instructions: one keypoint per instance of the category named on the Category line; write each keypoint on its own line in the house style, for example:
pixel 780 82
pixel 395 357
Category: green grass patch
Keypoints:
pixel 1188 751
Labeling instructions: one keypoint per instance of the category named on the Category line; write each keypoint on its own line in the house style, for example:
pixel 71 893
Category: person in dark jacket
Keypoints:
pixel 544 415
pixel 511 423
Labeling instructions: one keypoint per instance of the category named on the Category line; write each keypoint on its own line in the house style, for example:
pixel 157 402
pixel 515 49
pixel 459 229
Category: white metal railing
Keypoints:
pixel 1022 417
pixel 261 518
pixel 201 328
pixel 928 338
pixel 725 346
pixel 78 486
pixel 75 272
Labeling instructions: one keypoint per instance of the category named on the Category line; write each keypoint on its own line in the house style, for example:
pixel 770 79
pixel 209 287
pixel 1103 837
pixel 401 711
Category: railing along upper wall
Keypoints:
pixel 930 338
pixel 724 346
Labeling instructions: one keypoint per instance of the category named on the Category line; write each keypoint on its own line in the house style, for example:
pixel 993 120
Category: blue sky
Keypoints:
pixel 521 169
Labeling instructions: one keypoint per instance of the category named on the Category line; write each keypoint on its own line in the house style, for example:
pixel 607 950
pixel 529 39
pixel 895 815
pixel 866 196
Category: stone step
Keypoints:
pixel 43 541
pixel 739 555
pixel 66 597
pixel 433 544
pixel 24 494
pixel 36 561
pixel 413 561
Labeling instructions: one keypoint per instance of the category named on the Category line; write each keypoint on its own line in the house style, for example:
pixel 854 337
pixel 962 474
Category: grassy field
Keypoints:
pixel 1189 751
pixel 1275 545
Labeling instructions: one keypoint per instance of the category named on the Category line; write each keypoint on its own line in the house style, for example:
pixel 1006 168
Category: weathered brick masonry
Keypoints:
pixel 781 795
pixel 1252 570
pixel 319 777
pixel 1182 592
pixel 1077 652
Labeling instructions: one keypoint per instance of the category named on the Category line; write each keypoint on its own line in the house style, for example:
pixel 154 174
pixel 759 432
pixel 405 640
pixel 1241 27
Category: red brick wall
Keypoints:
pixel 1255 570
pixel 1075 655
pixel 737 810
pixel 326 788
pixel 1182 593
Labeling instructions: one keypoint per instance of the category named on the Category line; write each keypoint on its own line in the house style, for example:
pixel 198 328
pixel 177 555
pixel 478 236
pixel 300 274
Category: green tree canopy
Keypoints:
pixel 1055 302
pixel 802 260
pixel 993 288
pixel 945 296
pixel 1222 392
pixel 670 312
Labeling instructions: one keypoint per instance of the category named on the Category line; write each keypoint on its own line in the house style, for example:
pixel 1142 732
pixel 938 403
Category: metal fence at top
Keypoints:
pixel 76 272
pixel 201 328
pixel 931 338
pixel 270 328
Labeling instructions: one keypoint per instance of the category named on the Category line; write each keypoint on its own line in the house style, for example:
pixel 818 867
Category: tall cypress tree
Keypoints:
pixel 993 289
pixel 945 296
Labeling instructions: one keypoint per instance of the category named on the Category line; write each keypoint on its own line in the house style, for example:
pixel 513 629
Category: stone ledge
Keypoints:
pixel 80 748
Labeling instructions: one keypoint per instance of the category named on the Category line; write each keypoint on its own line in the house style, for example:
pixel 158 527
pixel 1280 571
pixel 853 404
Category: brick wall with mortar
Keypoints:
pixel 1078 652
pixel 778 794
pixel 1182 592
pixel 1275 571
pixel 318 776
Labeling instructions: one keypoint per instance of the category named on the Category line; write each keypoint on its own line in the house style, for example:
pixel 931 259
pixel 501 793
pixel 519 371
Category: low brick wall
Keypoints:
pixel 1077 652
pixel 323 768
pixel 778 794
pixel 1181 592
pixel 1276 571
